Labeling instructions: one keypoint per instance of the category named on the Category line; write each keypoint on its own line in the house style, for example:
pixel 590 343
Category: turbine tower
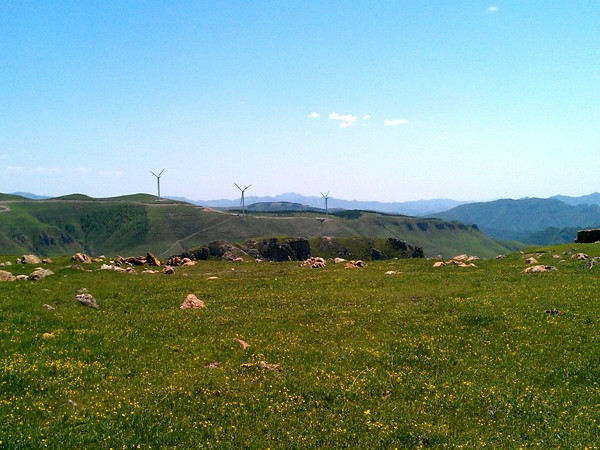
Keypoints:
pixel 242 199
pixel 326 196
pixel 158 180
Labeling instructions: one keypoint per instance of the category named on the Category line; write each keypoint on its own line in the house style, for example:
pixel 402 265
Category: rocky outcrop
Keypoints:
pixel 588 236
pixel 29 259
pixel 292 249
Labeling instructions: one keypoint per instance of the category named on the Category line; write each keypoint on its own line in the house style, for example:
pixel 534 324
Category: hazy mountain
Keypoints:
pixel 518 219
pixel 591 199
pixel 31 196
pixel 412 208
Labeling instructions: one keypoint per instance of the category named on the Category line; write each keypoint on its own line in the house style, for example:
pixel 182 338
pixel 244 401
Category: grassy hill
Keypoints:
pixel 448 357
pixel 518 219
pixel 137 224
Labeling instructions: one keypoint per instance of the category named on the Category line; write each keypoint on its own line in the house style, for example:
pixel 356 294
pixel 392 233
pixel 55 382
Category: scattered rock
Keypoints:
pixel 553 311
pixel 213 278
pixel 314 263
pixel 355 264
pixel 238 259
pixel 152 260
pixel 47 261
pixel 392 272
pixel 592 262
pixel 263 365
pixel 82 258
pixel 531 260
pixel 500 256
pixel 439 264
pixel 47 336
pixel 29 259
pixel 213 365
pixel 39 274
pixel 243 344
pixel 150 271
pixel 86 299
pixel 338 260
pixel 22 277
pixel 169 270
pixel 539 269
pixel 191 301
pixel 580 256
pixel 6 276
pixel 49 307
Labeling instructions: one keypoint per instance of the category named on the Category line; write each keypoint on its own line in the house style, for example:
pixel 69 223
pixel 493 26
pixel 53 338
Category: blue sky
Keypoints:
pixel 377 100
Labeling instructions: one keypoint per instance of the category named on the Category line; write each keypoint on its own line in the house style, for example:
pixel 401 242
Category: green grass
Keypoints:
pixel 428 358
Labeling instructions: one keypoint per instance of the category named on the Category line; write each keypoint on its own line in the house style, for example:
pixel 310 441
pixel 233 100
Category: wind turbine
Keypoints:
pixel 158 180
pixel 325 196
pixel 242 199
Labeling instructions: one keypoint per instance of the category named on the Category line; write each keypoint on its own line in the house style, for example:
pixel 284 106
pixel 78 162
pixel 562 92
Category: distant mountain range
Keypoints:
pixel 412 208
pixel 531 220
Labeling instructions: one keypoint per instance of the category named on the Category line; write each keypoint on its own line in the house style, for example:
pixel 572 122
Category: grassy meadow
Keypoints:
pixel 448 357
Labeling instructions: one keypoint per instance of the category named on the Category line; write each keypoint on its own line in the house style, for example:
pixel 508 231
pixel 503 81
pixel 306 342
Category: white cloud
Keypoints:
pixel 395 122
pixel 81 170
pixel 492 9
pixel 4 156
pixel 15 170
pixel 345 124
pixel 46 171
pixel 313 115
pixel 366 117
pixel 343 117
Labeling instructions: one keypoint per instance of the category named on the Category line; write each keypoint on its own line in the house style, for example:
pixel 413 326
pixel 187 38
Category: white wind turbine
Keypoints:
pixel 242 199
pixel 326 197
pixel 158 180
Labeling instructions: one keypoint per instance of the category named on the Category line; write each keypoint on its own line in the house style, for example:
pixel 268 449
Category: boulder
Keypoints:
pixel 86 299
pixel 29 259
pixel 592 262
pixel 291 249
pixel 191 301
pixel 39 274
pixel 580 256
pixel 82 258
pixel 152 260
pixel 6 276
pixel 588 236
pixel 539 269
pixel 531 260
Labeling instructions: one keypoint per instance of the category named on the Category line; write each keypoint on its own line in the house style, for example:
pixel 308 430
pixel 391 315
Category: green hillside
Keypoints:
pixel 518 219
pixel 137 224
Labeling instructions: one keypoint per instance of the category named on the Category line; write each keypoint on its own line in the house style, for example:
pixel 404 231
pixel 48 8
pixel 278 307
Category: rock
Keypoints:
pixel 152 260
pixel 314 263
pixel 355 264
pixel 531 260
pixel 500 256
pixel 191 301
pixel 243 344
pixel 580 256
pixel 82 258
pixel 539 269
pixel 439 264
pixel 86 299
pixel 392 272
pixel 47 336
pixel 592 262
pixel 168 270
pixel 48 307
pixel 213 365
pixel 39 274
pixel 263 365
pixel 588 236
pixel 6 276
pixel 339 260
pixel 292 249
pixel 29 259
pixel 47 261
pixel 22 277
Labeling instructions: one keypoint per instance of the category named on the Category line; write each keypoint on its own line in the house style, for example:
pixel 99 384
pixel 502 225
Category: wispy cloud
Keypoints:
pixel 343 117
pixel 492 9
pixel 15 170
pixel 366 117
pixel 47 171
pixel 81 170
pixel 346 124
pixel 3 156
pixel 395 122
pixel 313 115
